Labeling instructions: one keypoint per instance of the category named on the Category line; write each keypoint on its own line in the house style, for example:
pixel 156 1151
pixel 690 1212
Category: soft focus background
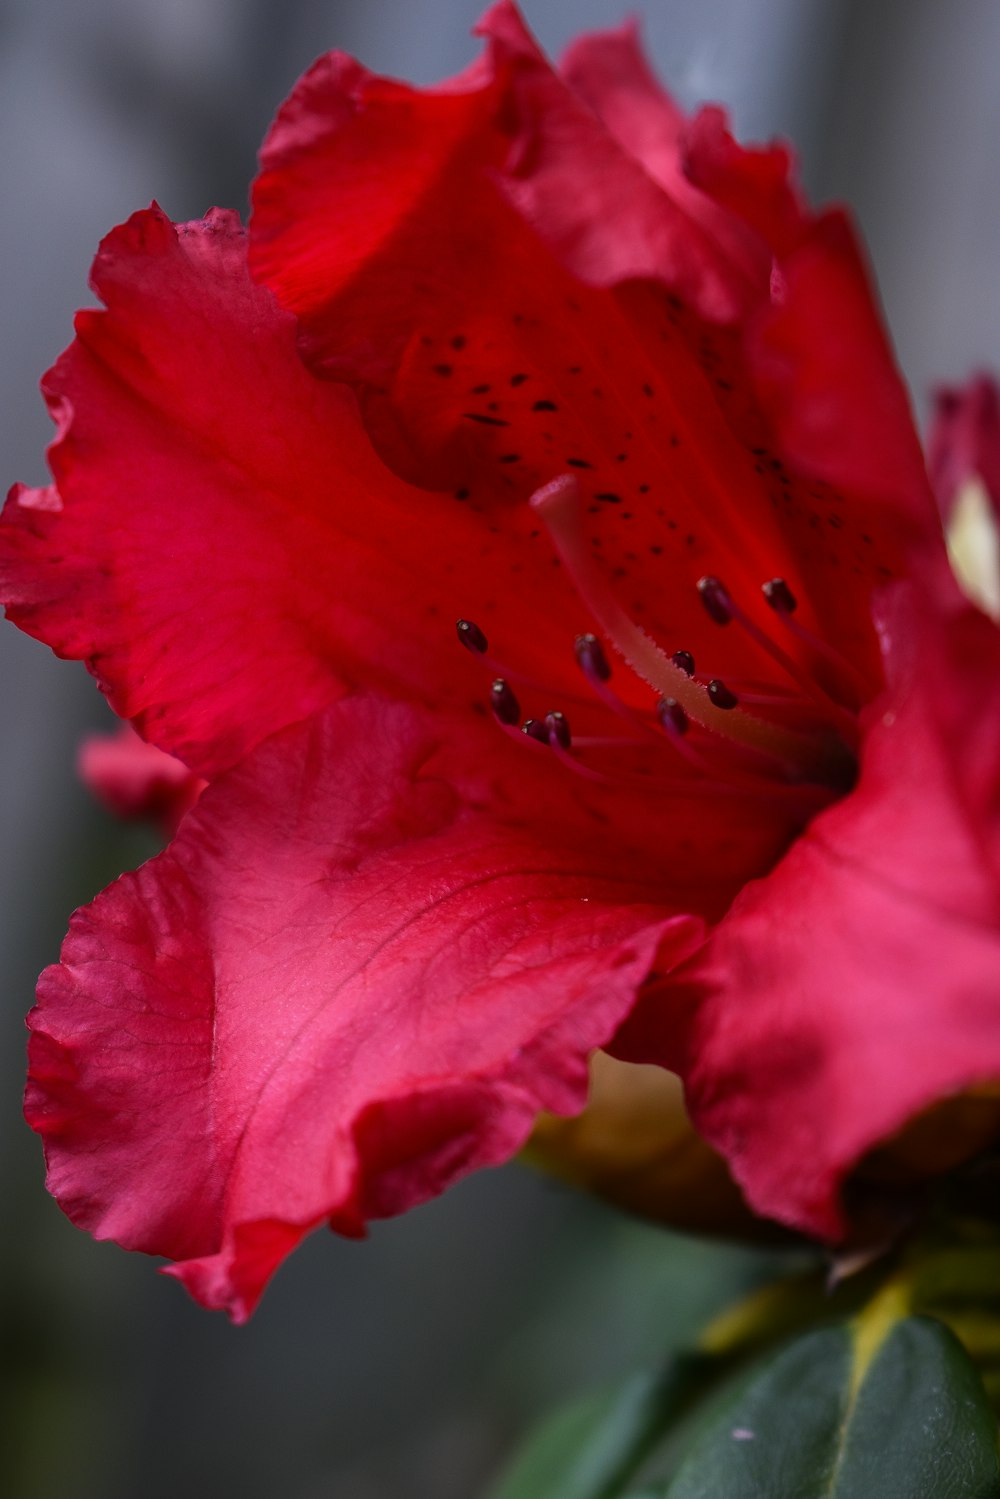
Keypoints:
pixel 405 1366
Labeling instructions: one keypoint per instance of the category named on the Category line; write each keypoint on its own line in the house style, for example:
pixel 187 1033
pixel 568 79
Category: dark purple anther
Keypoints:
pixel 780 597
pixel 535 729
pixel 684 661
pixel 672 715
pixel 505 705
pixel 716 600
pixel 472 637
pixel 720 694
pixel 557 729
pixel 591 658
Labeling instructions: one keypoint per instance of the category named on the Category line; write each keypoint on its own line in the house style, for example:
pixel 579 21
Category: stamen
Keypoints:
pixel 684 661
pixel 506 708
pixel 575 764
pixel 472 637
pixel 672 715
pixel 783 601
pixel 725 779
pixel 559 741
pixel 815 757
pixel 716 600
pixel 557 730
pixel 779 596
pixel 721 607
pixel 591 658
pixel 553 733
pixel 768 699
pixel 475 641
pixel 721 695
pixel 596 668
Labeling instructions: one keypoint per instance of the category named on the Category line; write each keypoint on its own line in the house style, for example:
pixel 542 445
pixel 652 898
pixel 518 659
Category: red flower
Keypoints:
pixel 574 364
pixel 965 441
pixel 964 464
pixel 134 779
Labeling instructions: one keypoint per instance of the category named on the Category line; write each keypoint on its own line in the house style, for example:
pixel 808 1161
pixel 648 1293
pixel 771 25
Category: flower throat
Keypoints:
pixel 802 743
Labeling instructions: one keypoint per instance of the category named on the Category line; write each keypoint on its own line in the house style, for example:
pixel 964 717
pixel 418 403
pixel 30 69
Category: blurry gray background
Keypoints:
pixel 404 1366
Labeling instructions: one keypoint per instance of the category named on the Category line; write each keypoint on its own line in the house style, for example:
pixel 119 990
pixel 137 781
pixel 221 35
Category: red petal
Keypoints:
pixel 857 984
pixel 508 129
pixel 176 553
pixel 965 440
pixel 753 184
pixel 821 366
pixel 608 70
pixel 137 780
pixel 343 986
pixel 742 196
pixel 595 205
pixel 223 547
pixel 215 546
pixel 825 376
pixel 483 362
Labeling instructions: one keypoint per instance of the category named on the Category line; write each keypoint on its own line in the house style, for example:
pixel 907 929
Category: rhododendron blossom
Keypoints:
pixel 708 773
pixel 964 465
pixel 136 780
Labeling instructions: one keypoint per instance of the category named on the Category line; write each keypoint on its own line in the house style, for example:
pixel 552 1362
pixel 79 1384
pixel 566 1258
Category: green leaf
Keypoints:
pixel 592 1449
pixel 893 1409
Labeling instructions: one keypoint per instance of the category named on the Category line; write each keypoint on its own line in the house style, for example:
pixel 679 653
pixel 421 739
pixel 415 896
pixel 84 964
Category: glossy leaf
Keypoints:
pixel 592 1449
pixel 829 1418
